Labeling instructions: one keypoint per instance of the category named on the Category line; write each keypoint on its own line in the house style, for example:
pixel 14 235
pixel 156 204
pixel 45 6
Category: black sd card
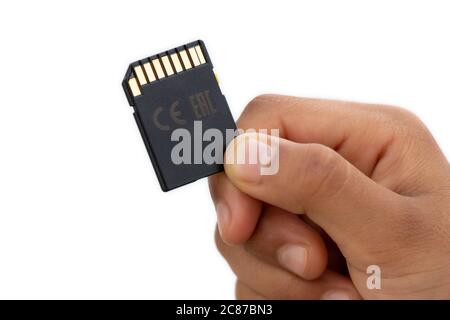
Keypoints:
pixel 181 113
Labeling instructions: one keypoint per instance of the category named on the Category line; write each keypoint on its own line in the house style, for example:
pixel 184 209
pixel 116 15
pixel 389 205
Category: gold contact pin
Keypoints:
pixel 185 59
pixel 217 78
pixel 176 62
pixel 194 57
pixel 140 75
pixel 134 87
pixel 200 55
pixel 158 68
pixel 167 65
pixel 164 65
pixel 149 71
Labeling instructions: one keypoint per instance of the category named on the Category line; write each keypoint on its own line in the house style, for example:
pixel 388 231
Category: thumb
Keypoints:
pixel 309 179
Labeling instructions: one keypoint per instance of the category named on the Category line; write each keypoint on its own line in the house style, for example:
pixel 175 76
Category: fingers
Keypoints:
pixel 370 137
pixel 284 240
pixel 275 283
pixel 343 126
pixel 311 179
pixel 237 213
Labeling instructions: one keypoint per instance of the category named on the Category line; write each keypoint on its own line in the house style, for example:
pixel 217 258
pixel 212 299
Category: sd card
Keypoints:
pixel 181 113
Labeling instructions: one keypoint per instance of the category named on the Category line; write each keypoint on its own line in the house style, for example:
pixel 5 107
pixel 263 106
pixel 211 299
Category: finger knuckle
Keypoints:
pixel 258 103
pixel 400 113
pixel 401 119
pixel 411 223
pixel 326 173
pixel 265 101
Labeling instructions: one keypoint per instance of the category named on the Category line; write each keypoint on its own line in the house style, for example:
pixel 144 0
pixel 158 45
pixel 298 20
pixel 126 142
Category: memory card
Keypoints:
pixel 181 113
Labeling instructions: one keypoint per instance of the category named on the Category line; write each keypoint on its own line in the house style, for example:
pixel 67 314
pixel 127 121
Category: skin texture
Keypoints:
pixel 357 185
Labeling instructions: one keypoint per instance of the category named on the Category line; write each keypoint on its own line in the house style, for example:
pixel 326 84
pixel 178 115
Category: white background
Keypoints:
pixel 81 212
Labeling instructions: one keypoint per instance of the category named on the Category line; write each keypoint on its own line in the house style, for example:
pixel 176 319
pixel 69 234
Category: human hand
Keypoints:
pixel 369 178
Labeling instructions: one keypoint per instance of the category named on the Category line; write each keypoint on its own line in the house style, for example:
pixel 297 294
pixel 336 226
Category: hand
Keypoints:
pixel 364 182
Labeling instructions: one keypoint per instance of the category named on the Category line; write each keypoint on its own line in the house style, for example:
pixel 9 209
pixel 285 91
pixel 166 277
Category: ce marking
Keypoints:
pixel 175 115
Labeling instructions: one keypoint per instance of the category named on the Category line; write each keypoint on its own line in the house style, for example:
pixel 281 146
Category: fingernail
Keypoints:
pixel 249 156
pixel 293 258
pixel 336 295
pixel 223 216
